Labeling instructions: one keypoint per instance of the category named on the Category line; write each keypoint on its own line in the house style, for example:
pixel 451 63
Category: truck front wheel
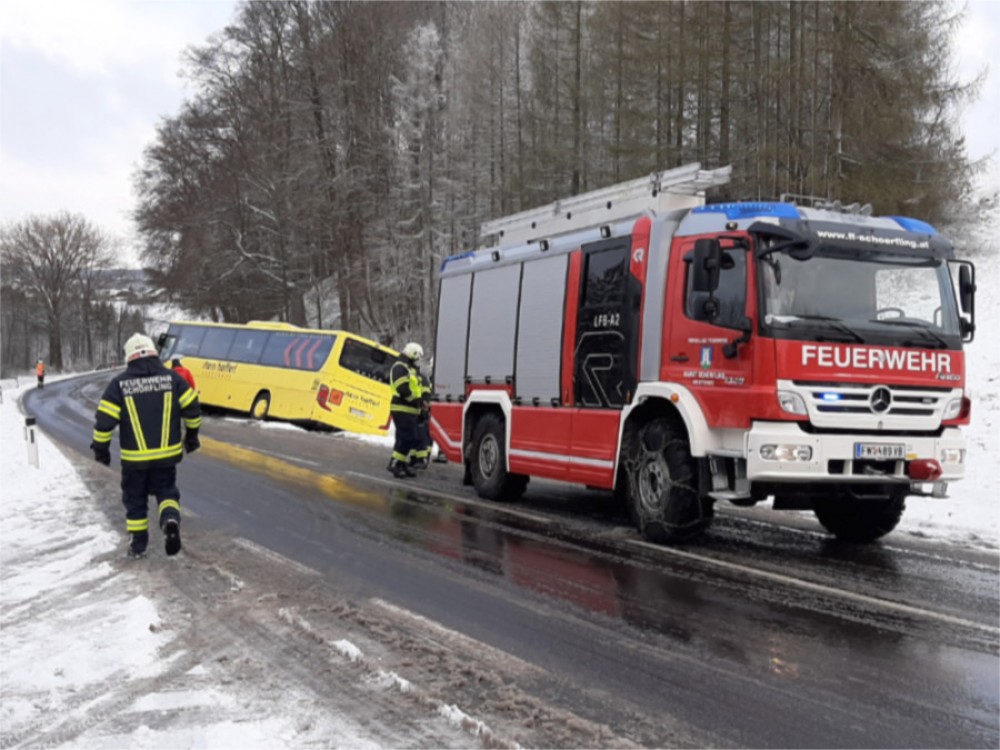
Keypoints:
pixel 861 519
pixel 663 484
pixel 488 464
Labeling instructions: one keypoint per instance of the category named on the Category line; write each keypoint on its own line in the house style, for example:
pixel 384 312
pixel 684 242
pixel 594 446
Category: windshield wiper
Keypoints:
pixel 942 344
pixel 833 323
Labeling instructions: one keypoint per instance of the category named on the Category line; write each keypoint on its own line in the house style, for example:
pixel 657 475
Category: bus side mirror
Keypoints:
pixel 706 265
pixel 161 340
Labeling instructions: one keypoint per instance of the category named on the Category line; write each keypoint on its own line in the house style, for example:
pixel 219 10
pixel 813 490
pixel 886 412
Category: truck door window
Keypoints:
pixel 607 327
pixel 731 294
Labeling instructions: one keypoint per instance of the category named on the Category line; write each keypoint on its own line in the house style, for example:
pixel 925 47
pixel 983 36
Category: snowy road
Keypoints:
pixel 550 622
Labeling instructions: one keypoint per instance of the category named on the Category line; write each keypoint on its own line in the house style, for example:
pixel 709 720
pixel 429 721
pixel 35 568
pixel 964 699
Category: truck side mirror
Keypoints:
pixel 967 298
pixel 967 287
pixel 161 340
pixel 706 265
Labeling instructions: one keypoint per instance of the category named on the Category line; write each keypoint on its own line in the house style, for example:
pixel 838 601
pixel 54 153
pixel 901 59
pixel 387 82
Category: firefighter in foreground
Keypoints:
pixel 407 390
pixel 148 402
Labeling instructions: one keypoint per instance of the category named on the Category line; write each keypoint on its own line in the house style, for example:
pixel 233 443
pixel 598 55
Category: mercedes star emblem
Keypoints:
pixel 880 400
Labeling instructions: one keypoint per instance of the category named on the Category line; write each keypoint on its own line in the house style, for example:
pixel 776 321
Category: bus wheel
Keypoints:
pixel 663 485
pixel 861 519
pixel 261 405
pixel 489 461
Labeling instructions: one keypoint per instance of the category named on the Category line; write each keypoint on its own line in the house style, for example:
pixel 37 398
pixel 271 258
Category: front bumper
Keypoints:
pixel 833 459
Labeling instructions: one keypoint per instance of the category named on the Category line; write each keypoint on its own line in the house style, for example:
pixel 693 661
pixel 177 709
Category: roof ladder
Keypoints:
pixel 672 189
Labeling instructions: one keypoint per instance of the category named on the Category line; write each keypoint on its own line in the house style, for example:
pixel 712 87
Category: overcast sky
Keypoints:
pixel 84 82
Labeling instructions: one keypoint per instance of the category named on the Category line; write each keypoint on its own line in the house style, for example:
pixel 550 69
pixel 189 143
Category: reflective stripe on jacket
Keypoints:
pixel 148 403
pixel 406 391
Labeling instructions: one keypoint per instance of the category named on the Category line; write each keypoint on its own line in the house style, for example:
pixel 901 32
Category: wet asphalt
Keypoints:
pixel 763 633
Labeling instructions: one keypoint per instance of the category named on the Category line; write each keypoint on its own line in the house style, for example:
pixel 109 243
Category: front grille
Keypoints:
pixel 856 398
pixel 878 407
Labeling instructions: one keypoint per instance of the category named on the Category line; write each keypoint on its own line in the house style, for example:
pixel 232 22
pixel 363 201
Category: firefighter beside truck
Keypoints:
pixel 638 339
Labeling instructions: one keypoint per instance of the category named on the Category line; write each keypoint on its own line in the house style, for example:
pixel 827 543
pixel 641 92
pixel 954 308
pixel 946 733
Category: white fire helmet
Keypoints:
pixel 413 350
pixel 139 345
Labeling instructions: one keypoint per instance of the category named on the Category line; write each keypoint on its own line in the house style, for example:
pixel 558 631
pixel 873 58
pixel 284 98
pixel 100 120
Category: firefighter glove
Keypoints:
pixel 102 453
pixel 191 442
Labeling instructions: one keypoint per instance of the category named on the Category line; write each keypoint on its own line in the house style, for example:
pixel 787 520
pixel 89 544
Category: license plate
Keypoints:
pixel 880 451
pixel 358 413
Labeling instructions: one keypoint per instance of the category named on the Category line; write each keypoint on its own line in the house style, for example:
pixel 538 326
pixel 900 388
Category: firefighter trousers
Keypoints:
pixel 137 485
pixel 422 451
pixel 407 436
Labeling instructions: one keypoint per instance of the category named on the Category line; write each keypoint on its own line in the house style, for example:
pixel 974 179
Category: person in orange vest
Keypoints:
pixel 40 372
pixel 183 371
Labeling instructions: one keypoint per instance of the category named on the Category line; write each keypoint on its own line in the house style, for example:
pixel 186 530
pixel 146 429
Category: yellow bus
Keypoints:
pixel 281 371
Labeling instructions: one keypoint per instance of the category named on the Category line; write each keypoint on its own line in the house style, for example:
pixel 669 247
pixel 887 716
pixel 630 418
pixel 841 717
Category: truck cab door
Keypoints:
pixel 696 348
pixel 605 357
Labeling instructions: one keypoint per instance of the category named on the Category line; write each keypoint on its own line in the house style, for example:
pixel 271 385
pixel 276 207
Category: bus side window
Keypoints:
pixel 189 340
pixel 216 343
pixel 315 352
pixel 248 346
pixel 365 360
pixel 275 349
pixel 298 351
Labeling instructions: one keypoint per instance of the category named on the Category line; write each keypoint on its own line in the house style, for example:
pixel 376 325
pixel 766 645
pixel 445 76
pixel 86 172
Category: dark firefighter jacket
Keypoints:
pixel 406 389
pixel 148 402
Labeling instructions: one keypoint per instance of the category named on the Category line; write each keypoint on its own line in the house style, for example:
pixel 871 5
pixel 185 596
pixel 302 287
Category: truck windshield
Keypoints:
pixel 872 296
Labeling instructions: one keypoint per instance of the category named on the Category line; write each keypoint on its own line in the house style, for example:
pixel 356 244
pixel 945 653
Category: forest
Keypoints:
pixel 336 152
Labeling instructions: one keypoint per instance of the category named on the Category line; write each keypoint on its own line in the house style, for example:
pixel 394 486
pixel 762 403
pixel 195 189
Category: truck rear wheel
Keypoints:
pixel 861 519
pixel 663 484
pixel 489 461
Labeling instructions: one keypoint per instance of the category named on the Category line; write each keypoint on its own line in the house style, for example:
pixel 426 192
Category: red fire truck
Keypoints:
pixel 640 340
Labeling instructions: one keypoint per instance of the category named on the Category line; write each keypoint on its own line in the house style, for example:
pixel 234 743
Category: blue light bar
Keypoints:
pixel 750 210
pixel 913 225
pixel 830 396
pixel 452 258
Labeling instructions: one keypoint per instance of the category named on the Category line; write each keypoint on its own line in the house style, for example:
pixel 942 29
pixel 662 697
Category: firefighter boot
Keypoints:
pixel 172 536
pixel 401 471
pixel 137 544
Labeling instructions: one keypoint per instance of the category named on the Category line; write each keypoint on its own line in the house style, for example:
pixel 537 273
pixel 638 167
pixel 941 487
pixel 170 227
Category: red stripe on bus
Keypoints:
pixel 309 354
pixel 298 353
pixel 288 352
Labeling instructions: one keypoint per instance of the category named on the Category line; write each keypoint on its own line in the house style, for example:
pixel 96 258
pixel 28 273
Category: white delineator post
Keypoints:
pixel 31 438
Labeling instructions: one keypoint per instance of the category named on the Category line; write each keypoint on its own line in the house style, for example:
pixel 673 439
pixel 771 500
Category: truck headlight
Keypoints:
pixel 791 402
pixel 786 452
pixel 953 409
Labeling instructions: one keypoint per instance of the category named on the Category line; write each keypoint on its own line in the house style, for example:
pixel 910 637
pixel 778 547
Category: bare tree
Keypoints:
pixel 48 257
